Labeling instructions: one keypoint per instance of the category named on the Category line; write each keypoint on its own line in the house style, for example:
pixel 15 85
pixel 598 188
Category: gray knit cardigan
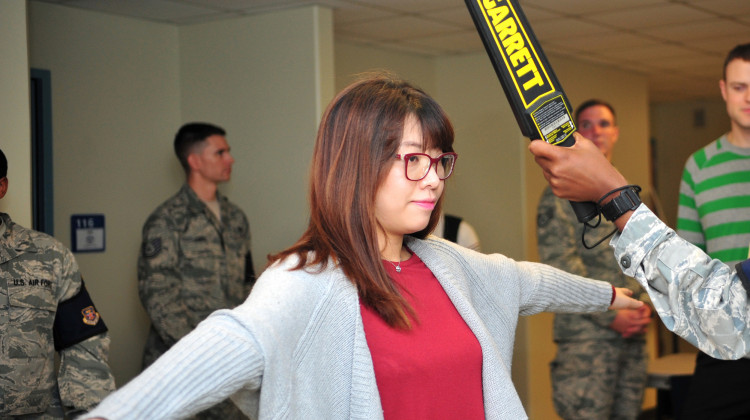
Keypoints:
pixel 296 348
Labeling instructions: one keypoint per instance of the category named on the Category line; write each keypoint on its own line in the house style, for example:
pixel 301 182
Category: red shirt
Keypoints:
pixel 434 370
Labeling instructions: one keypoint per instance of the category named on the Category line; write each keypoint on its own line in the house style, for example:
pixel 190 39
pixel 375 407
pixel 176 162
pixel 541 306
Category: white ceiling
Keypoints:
pixel 678 44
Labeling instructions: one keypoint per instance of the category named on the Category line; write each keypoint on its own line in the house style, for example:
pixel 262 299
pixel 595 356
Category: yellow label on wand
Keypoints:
pixel 527 71
pixel 535 95
pixel 552 120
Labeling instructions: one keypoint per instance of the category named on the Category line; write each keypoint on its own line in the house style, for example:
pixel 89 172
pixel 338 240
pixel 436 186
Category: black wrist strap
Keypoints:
pixel 627 200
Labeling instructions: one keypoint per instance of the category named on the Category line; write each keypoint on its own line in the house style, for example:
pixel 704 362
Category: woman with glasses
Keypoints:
pixel 366 317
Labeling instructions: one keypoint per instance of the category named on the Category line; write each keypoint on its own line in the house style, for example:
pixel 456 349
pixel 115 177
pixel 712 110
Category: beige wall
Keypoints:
pixel 676 137
pixel 354 59
pixel 14 110
pixel 121 88
pixel 115 98
pixel 266 79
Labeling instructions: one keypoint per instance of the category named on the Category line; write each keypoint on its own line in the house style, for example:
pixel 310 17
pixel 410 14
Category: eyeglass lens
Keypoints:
pixel 418 165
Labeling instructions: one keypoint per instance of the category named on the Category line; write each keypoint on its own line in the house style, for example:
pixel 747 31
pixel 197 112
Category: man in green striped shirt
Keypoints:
pixel 714 214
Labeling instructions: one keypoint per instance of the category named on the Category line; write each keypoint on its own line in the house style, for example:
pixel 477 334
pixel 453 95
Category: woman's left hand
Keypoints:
pixel 624 301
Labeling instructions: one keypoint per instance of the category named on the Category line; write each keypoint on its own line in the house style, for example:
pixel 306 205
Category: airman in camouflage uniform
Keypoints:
pixel 701 299
pixel 597 373
pixel 190 265
pixel 600 368
pixel 44 307
pixel 193 261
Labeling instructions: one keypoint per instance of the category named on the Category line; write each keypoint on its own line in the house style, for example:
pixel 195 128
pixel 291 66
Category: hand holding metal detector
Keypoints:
pixel 539 104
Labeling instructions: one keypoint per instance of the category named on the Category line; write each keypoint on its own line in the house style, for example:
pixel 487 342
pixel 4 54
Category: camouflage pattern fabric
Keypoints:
pixel 36 273
pixel 190 265
pixel 559 242
pixel 698 298
pixel 613 385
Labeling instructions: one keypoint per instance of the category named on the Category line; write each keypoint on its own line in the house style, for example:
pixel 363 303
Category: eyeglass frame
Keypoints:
pixel 433 161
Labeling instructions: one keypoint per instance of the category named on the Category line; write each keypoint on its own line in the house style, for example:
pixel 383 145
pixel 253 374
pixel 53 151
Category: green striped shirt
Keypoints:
pixel 714 207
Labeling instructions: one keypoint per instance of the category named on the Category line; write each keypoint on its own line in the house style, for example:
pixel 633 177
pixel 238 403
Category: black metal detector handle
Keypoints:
pixel 584 210
pixel 538 101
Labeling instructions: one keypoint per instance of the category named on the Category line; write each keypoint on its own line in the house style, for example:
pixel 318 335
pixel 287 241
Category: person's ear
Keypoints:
pixel 3 186
pixel 193 161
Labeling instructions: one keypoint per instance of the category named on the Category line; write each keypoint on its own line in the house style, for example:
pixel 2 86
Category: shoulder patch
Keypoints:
pixel 76 320
pixel 151 248
pixel 90 315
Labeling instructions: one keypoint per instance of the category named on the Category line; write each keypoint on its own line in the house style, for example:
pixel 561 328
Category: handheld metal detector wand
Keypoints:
pixel 539 104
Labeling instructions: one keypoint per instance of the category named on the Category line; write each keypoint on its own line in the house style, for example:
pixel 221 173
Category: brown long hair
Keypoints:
pixel 357 140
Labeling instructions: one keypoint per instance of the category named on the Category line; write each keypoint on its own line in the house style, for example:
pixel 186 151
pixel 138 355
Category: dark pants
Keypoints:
pixel 718 390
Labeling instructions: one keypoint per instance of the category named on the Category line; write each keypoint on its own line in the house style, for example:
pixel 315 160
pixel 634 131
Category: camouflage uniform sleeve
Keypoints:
pixel 160 281
pixel 84 377
pixel 700 299
pixel 557 243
